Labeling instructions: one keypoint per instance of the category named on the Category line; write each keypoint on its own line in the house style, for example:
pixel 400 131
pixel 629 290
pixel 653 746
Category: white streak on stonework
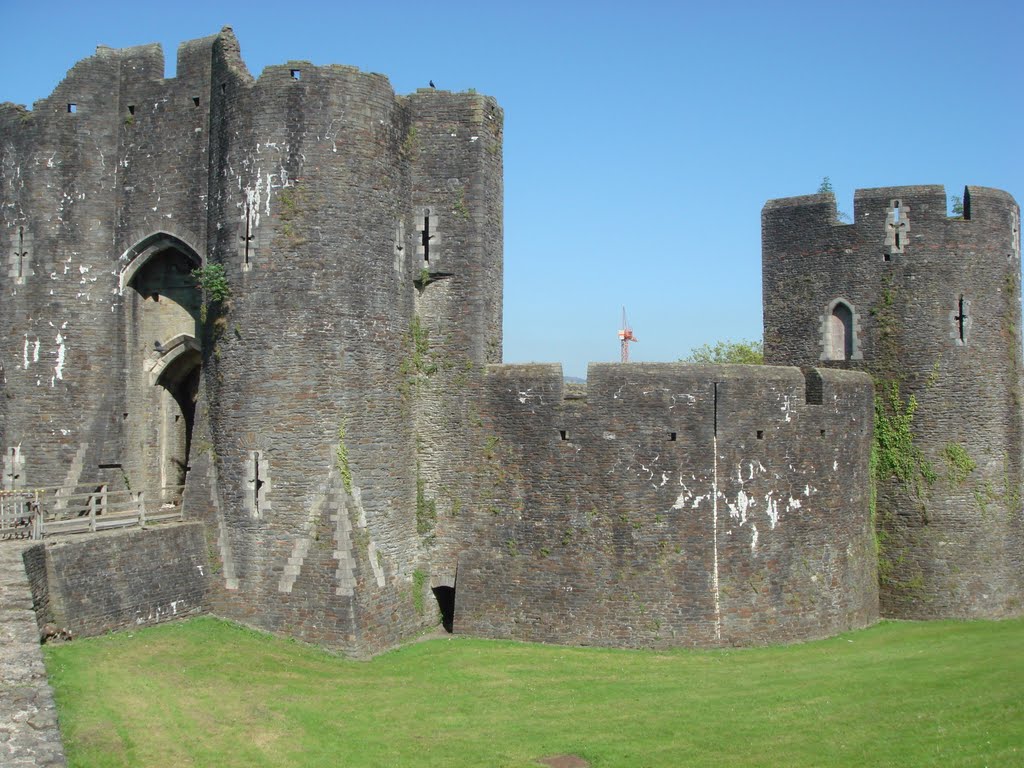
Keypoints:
pixel 714 536
pixel 753 538
pixel 772 508
pixel 787 406
pixel 59 368
pixel 687 398
pixel 738 511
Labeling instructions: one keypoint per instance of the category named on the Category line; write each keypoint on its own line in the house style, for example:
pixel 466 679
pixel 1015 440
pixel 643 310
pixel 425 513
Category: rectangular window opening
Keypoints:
pixel 109 466
pixel 195 101
pixel 296 74
pixel 131 109
pixel 823 433
pixel 671 437
pixel 760 434
pixel 562 433
pixel 72 108
pixel 223 87
pixel 886 257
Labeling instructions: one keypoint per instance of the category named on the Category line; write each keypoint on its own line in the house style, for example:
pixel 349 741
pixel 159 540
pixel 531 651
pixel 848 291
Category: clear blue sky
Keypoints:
pixel 641 138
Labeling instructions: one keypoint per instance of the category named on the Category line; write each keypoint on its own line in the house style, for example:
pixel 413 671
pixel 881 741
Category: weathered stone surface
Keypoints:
pixel 90 585
pixel 28 720
pixel 676 505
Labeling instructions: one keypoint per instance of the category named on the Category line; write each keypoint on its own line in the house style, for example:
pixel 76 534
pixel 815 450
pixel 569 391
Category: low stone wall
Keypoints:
pixel 94 585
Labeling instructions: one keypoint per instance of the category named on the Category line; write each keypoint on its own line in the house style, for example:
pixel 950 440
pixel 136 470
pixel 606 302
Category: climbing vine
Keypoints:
pixel 419 363
pixel 292 202
pixel 341 455
pixel 426 507
pixel 419 580
pixel 897 454
pixel 958 464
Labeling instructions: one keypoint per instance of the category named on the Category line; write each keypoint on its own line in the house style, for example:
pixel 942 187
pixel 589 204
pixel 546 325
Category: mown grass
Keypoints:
pixel 209 693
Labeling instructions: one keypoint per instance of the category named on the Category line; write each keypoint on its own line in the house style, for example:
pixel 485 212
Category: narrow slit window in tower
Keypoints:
pixel 22 253
pixel 257 482
pixel 131 109
pixel 426 238
pixel 961 320
pixel 248 231
pixel 72 108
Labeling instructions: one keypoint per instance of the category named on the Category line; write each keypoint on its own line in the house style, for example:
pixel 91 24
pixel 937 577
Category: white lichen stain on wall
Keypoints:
pixel 31 352
pixel 772 509
pixel 738 511
pixel 58 369
pixel 787 407
pixel 158 612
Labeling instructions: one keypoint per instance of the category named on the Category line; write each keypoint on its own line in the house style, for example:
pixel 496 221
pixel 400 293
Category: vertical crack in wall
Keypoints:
pixel 714 536
pixel 714 520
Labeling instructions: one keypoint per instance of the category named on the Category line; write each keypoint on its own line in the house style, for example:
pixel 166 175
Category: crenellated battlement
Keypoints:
pixel 926 205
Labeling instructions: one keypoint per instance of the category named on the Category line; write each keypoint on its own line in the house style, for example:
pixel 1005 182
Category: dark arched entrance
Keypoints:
pixel 164 361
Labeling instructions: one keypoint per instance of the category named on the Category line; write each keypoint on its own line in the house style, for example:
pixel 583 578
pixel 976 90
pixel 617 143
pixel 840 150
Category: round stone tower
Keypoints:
pixel 929 305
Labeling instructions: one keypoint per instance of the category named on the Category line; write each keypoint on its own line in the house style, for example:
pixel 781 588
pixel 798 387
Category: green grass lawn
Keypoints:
pixel 209 693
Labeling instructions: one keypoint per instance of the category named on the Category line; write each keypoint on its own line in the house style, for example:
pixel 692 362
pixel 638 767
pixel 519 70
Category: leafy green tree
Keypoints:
pixel 958 206
pixel 728 351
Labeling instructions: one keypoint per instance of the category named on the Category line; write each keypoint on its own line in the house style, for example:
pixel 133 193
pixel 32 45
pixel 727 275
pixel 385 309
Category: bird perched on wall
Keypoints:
pixel 432 84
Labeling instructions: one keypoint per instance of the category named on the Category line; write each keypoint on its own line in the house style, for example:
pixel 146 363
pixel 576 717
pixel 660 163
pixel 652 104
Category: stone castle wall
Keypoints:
pixel 348 441
pixel 674 505
pixel 105 583
pixel 936 317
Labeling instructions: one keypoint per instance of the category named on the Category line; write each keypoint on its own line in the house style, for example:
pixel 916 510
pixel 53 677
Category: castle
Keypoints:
pixel 277 302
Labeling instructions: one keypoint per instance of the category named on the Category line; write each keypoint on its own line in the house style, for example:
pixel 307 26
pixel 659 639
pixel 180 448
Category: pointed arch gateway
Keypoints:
pixel 164 359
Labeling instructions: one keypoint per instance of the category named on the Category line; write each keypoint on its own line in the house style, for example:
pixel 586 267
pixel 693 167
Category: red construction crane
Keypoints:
pixel 626 336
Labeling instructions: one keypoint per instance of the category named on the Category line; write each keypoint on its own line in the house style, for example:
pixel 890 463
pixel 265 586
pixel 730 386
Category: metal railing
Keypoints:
pixel 39 512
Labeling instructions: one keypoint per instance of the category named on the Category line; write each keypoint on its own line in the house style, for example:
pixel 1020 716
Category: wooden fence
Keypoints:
pixel 39 512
